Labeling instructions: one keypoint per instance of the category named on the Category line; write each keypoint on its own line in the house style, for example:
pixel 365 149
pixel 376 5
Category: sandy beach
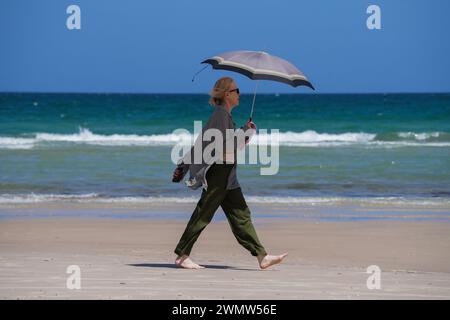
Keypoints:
pixel 115 120
pixel 127 253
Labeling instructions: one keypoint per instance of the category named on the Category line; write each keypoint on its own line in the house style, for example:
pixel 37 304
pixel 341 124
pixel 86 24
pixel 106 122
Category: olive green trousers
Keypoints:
pixel 235 208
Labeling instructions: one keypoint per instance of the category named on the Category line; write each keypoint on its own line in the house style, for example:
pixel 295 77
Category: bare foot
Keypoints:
pixel 186 262
pixel 269 260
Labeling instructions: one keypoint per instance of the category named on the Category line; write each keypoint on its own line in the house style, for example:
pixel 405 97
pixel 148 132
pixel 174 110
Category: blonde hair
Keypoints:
pixel 219 90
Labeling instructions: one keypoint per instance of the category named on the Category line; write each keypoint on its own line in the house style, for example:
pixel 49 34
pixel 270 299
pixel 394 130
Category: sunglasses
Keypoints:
pixel 237 90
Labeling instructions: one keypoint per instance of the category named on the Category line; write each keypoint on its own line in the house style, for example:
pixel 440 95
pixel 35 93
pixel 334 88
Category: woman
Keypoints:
pixel 220 185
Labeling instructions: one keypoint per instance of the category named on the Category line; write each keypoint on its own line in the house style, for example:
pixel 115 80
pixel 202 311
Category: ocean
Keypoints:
pixel 117 147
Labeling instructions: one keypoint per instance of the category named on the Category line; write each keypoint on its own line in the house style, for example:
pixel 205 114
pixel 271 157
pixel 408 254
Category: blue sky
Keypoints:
pixel 156 46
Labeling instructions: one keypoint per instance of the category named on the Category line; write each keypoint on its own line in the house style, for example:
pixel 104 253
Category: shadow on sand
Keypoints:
pixel 173 266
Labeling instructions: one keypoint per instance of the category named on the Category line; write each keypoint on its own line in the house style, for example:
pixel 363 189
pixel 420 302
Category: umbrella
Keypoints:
pixel 259 65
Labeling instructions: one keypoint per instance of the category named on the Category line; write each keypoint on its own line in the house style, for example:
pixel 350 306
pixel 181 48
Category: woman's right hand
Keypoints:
pixel 250 125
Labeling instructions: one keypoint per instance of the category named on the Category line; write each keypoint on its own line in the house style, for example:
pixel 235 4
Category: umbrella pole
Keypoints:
pixel 254 98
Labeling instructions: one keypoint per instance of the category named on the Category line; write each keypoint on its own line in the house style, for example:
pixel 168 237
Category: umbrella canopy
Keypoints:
pixel 259 65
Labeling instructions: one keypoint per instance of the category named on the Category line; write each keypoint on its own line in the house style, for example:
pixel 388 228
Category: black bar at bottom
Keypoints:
pixel 222 309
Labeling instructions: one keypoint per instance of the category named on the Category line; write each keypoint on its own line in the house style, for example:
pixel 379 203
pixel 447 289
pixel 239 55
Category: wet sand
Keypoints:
pixel 131 257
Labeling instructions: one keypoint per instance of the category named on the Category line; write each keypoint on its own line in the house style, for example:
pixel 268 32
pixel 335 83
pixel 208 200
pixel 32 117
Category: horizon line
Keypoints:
pixel 202 93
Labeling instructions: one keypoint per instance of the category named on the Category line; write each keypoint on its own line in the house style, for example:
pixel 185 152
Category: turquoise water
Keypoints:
pixel 117 146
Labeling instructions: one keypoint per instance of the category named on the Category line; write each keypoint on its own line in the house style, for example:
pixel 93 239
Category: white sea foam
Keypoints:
pixel 16 143
pixel 86 136
pixel 312 137
pixel 37 198
pixel 13 199
pixel 419 136
pixel 87 198
pixel 307 138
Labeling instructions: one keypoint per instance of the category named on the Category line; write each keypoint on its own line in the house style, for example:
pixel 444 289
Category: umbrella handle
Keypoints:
pixel 254 98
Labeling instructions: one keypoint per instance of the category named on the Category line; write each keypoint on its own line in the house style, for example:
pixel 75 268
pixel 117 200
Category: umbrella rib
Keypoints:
pixel 256 71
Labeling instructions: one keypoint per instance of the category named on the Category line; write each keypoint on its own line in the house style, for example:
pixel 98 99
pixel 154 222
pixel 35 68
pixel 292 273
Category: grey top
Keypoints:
pixel 220 119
